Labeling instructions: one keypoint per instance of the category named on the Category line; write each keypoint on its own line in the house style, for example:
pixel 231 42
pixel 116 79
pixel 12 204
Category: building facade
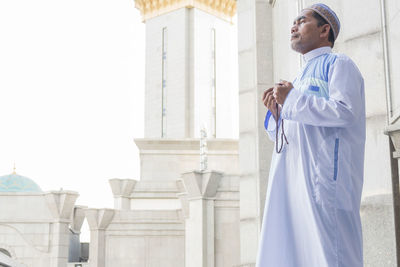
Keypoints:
pixel 368 37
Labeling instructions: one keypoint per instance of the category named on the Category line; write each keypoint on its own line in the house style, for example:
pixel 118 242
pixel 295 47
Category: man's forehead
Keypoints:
pixel 303 14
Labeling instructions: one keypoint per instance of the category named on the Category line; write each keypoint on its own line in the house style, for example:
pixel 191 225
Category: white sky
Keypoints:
pixel 71 93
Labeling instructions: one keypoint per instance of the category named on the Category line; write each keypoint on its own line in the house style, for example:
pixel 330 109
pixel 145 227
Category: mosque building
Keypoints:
pixel 201 193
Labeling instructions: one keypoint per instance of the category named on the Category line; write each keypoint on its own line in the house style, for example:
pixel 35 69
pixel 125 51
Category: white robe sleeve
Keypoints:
pixel 343 106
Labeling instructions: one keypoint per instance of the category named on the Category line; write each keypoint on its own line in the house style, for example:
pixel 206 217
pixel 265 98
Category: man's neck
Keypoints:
pixel 322 44
pixel 317 52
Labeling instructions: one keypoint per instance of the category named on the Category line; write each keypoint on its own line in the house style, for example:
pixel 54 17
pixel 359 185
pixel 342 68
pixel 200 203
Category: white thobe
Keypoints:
pixel 311 216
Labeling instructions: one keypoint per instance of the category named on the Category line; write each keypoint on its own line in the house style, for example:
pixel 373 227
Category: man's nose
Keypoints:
pixel 293 29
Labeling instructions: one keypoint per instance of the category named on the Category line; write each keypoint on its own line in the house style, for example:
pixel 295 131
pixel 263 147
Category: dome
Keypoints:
pixel 17 183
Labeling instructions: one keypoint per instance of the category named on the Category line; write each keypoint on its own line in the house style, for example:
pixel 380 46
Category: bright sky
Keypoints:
pixel 71 93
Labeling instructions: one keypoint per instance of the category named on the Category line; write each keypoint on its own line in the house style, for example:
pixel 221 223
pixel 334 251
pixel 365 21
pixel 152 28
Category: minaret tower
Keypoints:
pixel 189 68
pixel 184 210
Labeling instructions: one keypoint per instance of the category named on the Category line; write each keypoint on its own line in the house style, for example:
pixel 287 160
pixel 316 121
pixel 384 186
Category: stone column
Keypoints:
pixel 122 190
pixel 78 217
pixel 61 205
pixel 255 75
pixel 201 189
pixel 394 132
pixel 98 220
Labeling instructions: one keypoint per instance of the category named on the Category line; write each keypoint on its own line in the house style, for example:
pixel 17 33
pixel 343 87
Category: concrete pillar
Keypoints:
pixel 201 189
pixel 78 217
pixel 394 132
pixel 122 190
pixel 61 205
pixel 60 245
pixel 98 220
pixel 255 75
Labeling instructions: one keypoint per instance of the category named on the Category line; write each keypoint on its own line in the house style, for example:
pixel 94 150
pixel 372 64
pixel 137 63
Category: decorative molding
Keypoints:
pixel 224 9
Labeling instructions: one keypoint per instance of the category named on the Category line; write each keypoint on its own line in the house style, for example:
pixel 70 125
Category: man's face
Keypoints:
pixel 305 33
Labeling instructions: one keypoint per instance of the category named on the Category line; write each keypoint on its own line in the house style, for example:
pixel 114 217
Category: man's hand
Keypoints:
pixel 269 101
pixel 281 90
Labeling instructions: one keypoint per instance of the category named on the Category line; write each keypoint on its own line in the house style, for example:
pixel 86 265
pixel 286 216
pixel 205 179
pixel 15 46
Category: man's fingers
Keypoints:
pixel 267 99
pixel 266 102
pixel 277 98
pixel 270 101
pixel 266 91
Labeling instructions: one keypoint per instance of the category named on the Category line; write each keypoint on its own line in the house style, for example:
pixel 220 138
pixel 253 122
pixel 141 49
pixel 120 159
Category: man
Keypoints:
pixel 311 216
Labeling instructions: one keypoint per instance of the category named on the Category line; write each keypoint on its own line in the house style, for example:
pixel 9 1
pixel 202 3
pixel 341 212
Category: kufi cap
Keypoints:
pixel 329 15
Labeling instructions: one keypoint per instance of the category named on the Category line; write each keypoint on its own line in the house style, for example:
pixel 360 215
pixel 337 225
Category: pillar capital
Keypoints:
pixel 201 184
pixel 122 187
pixel 99 219
pixel 122 190
pixel 61 204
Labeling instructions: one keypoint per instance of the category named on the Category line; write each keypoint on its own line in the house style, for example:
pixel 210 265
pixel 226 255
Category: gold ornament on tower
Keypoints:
pixel 224 9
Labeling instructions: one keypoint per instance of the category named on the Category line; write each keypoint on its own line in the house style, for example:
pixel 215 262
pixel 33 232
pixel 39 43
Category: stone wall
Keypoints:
pixel 361 38
pixel 34 227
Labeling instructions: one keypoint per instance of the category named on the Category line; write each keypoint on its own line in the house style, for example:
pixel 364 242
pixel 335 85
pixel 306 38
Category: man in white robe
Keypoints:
pixel 312 211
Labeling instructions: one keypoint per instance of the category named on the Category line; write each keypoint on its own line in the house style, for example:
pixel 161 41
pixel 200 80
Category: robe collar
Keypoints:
pixel 316 52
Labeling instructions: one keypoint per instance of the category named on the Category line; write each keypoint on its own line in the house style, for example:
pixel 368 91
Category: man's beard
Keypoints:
pixel 296 46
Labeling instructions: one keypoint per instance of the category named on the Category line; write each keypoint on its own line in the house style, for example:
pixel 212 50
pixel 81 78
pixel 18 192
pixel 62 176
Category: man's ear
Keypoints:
pixel 325 29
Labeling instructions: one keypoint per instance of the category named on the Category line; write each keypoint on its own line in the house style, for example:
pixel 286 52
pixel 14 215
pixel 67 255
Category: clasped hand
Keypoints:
pixel 276 94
